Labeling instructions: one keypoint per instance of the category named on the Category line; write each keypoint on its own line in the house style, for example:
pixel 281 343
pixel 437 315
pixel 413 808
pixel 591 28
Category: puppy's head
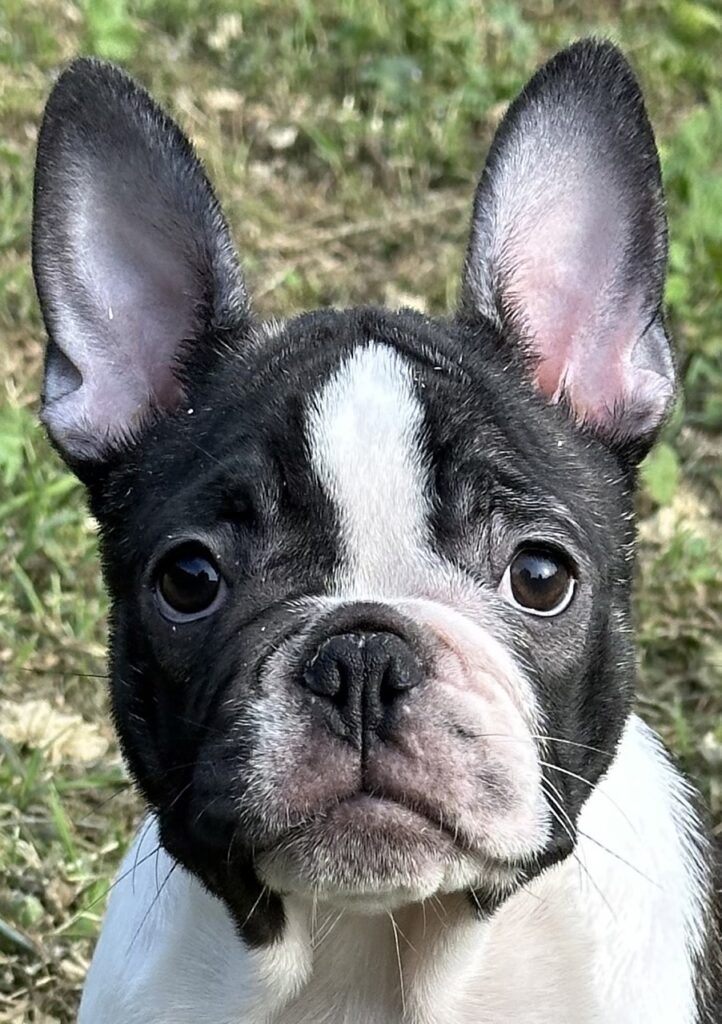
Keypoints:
pixel 369 571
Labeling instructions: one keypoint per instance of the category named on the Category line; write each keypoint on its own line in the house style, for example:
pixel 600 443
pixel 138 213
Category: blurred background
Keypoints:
pixel 345 137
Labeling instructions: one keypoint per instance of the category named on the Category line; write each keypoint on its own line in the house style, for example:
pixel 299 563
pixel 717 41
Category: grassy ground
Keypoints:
pixel 345 136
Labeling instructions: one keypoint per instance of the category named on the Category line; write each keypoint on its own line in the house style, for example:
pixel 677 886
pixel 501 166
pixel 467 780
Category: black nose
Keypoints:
pixel 361 676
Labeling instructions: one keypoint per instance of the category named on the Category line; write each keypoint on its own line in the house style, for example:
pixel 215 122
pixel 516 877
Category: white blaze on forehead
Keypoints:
pixel 364 430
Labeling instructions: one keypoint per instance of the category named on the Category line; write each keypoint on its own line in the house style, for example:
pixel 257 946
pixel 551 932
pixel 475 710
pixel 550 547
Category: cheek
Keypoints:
pixel 473 655
pixel 293 767
pixel 468 761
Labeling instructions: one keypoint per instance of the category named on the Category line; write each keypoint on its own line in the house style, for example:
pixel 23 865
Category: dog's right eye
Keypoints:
pixel 188 583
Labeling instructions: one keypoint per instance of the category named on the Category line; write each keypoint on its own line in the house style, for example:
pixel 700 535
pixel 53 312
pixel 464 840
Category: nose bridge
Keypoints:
pixel 362 617
pixel 365 432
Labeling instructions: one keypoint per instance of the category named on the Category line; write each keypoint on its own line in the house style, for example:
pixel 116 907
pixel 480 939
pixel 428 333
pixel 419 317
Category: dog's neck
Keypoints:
pixel 605 937
pixel 435 962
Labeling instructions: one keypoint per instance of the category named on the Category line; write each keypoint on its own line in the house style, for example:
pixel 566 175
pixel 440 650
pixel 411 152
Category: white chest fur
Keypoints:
pixel 605 938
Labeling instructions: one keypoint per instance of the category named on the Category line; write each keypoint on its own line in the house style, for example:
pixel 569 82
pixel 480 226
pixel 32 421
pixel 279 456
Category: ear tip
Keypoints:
pixel 593 55
pixel 79 84
pixel 95 104
pixel 587 95
pixel 86 73
pixel 82 94
pixel 97 108
pixel 596 71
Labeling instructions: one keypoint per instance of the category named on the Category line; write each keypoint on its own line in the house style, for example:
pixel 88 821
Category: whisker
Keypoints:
pixel 558 768
pixel 475 898
pixel 530 892
pixel 121 786
pixel 398 960
pixel 406 940
pixel 231 841
pixel 582 865
pixel 338 919
pixel 106 892
pixel 183 767
pixel 206 807
pixel 326 930
pixel 547 785
pixel 204 451
pixel 153 902
pixel 146 830
pixel 591 785
pixel 199 725
pixel 621 859
pixel 556 807
pixel 63 675
pixel 542 737
pixel 254 908
pixel 179 794
pixel 436 903
pixel 592 882
pixel 572 743
pixel 612 853
pixel 155 873
pixel 314 912
pixel 567 771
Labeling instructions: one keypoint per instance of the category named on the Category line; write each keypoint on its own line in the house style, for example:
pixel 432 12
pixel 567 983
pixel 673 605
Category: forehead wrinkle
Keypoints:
pixel 364 431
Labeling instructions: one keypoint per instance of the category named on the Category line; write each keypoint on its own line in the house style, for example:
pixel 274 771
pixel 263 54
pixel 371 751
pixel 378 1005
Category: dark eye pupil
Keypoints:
pixel 540 580
pixel 188 581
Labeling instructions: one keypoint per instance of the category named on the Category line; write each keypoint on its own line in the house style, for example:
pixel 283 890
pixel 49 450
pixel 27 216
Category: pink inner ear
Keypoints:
pixel 568 242
pixel 146 287
pixel 134 298
pixel 562 269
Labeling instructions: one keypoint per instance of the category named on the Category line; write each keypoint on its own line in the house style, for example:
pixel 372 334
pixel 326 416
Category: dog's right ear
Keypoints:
pixel 132 258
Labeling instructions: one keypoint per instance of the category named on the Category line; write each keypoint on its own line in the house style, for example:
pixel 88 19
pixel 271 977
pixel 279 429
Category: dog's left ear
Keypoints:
pixel 568 244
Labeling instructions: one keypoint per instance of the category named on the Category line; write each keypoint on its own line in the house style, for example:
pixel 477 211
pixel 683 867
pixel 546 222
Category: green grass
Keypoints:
pixel 344 136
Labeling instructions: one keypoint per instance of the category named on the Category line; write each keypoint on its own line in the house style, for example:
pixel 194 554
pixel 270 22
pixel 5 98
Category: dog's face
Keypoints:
pixel 370 572
pixel 351 606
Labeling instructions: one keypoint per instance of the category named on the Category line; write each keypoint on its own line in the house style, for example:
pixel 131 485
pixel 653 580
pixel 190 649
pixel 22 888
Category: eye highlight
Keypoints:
pixel 188 584
pixel 539 580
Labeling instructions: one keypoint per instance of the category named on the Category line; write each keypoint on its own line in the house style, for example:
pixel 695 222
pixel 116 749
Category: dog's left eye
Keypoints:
pixel 539 580
pixel 188 583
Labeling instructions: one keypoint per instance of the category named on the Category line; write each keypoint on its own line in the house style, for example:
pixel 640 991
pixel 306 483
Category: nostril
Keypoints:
pixel 323 677
pixel 331 671
pixel 398 667
pixel 388 688
pixel 406 670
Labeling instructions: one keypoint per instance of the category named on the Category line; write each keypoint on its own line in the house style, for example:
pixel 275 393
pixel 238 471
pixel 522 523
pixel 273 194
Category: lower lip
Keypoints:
pixel 380 811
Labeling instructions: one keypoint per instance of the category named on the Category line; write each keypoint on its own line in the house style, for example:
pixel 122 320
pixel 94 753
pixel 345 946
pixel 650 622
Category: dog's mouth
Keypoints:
pixel 363 852
pixel 371 852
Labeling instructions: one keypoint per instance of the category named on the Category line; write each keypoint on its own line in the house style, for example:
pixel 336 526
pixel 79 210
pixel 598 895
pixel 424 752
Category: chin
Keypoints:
pixel 372 855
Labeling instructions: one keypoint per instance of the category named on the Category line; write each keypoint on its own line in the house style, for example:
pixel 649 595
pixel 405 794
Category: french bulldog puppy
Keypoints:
pixel 370 572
